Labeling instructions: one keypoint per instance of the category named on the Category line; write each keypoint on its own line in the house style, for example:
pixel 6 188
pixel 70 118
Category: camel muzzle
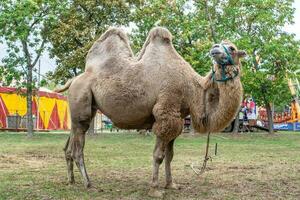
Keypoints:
pixel 215 51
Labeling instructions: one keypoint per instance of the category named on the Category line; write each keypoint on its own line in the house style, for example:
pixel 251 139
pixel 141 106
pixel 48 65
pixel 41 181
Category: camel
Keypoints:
pixel 157 89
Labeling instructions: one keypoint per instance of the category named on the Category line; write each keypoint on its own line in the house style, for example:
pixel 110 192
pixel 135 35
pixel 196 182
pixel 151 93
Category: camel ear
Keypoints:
pixel 241 53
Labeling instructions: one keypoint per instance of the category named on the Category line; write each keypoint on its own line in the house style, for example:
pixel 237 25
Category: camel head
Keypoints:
pixel 226 58
pixel 226 53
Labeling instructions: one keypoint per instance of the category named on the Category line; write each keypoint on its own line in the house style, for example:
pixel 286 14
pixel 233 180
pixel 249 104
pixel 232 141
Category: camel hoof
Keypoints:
pixel 71 182
pixel 154 192
pixel 87 185
pixel 173 186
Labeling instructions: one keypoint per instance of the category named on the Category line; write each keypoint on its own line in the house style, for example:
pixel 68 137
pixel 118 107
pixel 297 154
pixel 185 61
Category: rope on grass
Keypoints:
pixel 206 158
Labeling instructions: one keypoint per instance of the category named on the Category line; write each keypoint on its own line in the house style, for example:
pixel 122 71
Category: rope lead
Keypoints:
pixel 206 158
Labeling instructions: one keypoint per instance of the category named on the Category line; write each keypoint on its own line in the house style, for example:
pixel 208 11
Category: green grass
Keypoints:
pixel 248 166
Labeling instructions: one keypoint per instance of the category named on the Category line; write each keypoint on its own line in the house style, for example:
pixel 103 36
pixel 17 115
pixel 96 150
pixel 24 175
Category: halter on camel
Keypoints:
pixel 223 64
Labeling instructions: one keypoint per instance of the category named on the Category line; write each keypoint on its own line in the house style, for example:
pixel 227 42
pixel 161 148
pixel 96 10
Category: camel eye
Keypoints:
pixel 232 48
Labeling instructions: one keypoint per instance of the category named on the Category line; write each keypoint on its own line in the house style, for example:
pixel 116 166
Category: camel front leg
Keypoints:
pixel 168 159
pixel 158 157
pixel 167 127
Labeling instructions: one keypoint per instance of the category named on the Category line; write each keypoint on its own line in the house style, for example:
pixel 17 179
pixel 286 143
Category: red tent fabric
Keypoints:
pixel 54 122
pixel 3 113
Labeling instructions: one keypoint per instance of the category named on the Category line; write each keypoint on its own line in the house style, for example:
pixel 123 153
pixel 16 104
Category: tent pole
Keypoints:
pixel 38 97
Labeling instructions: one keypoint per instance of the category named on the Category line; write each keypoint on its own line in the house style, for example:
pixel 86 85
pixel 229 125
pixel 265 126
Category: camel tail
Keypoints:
pixel 65 87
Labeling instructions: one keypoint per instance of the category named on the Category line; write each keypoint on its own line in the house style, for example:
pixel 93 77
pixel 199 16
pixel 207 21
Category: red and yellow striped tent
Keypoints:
pixel 50 109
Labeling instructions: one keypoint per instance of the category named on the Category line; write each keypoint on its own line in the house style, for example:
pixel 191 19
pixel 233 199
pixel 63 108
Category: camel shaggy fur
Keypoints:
pixel 157 90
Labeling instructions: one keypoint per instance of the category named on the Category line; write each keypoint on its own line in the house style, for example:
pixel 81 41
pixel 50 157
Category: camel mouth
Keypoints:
pixel 217 55
pixel 215 51
pixel 220 56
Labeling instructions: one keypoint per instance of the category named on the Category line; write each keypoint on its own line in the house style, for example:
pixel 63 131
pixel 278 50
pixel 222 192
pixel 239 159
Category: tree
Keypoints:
pixel 75 31
pixel 23 28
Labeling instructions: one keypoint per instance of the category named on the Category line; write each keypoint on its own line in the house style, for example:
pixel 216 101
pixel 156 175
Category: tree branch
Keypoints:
pixel 212 30
pixel 37 19
pixel 78 42
pixel 39 53
pixel 90 15
pixel 26 53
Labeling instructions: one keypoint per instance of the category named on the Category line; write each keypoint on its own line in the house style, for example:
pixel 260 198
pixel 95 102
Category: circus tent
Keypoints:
pixel 50 110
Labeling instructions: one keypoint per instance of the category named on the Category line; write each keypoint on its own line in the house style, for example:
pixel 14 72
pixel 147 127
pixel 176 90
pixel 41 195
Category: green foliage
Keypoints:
pixel 267 81
pixel 24 27
pixel 23 30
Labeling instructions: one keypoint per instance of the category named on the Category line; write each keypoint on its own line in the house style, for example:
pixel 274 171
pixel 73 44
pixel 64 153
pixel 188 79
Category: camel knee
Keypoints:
pixel 158 156
pixel 159 159
pixel 68 155
pixel 76 155
pixel 74 149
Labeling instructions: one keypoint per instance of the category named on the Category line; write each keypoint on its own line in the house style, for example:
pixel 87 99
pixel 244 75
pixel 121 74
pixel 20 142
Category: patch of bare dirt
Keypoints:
pixel 28 160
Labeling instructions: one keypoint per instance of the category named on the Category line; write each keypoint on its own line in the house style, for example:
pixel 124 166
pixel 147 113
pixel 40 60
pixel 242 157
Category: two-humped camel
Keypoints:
pixel 157 90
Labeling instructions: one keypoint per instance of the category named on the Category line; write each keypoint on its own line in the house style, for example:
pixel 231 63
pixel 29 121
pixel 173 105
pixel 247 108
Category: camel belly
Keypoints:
pixel 128 116
pixel 128 108
pixel 145 123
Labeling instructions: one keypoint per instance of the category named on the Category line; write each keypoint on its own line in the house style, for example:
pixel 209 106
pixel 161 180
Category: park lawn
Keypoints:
pixel 247 166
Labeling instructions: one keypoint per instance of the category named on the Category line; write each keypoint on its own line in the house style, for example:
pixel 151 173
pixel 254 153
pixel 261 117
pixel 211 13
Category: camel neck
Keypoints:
pixel 224 73
pixel 214 107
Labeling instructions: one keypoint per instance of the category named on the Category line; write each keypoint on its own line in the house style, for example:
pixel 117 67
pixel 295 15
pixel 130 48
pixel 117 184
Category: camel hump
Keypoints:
pixel 113 31
pixel 113 43
pixel 160 32
pixel 156 32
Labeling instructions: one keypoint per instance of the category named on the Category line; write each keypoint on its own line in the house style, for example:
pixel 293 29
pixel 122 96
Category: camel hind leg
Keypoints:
pixel 75 152
pixel 82 112
pixel 70 165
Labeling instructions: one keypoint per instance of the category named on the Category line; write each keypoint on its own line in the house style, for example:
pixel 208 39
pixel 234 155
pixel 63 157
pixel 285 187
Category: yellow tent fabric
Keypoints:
pixel 53 108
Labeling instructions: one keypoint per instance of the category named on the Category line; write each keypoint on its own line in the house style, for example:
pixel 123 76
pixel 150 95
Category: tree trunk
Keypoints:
pixel 236 123
pixel 29 103
pixel 270 118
